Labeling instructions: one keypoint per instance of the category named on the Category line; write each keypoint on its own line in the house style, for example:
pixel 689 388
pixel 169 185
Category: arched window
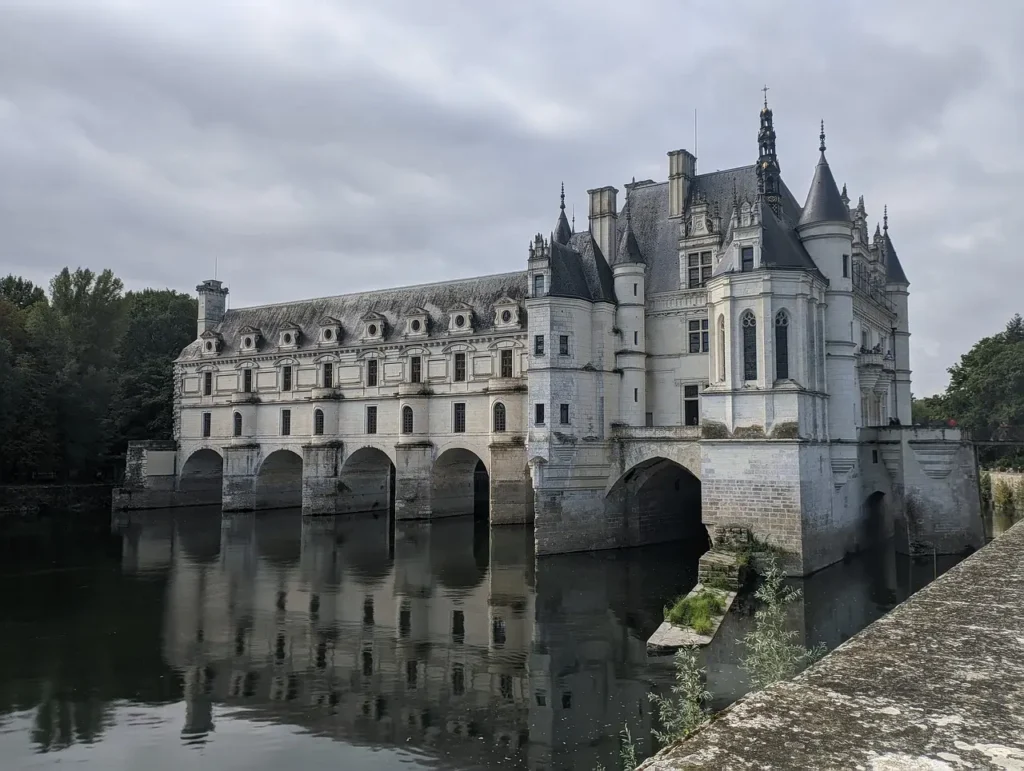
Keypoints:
pixel 721 348
pixel 499 417
pixel 318 422
pixel 407 419
pixel 781 345
pixel 749 324
pixel 238 424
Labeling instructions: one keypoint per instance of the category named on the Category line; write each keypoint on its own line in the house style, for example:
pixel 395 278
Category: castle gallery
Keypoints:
pixel 707 353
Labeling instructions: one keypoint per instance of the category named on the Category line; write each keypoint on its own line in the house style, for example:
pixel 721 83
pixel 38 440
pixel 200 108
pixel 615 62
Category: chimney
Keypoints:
pixel 604 214
pixel 212 301
pixel 682 168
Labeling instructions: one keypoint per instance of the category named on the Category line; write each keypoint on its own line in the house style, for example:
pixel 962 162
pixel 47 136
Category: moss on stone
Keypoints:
pixel 748 432
pixel 711 429
pixel 789 429
pixel 697 611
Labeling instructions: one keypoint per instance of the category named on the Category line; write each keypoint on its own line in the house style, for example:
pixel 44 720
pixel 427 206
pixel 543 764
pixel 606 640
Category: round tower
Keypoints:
pixel 629 273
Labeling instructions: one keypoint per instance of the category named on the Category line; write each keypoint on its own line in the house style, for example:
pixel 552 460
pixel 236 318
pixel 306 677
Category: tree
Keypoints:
pixel 21 292
pixel 928 410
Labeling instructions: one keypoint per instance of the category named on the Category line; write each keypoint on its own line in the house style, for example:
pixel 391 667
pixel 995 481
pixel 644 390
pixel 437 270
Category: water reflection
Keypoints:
pixel 448 640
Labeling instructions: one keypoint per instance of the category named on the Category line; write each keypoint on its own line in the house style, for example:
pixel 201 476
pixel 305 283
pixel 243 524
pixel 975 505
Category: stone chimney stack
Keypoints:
pixel 212 302
pixel 682 168
pixel 604 214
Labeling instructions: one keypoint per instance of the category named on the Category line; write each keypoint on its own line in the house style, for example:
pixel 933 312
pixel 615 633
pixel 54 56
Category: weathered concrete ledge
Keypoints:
pixel 938 683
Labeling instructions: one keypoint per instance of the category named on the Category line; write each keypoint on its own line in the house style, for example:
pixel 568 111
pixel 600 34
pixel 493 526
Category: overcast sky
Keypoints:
pixel 313 147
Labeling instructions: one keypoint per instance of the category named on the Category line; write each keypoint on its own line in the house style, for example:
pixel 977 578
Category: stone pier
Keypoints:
pixel 935 684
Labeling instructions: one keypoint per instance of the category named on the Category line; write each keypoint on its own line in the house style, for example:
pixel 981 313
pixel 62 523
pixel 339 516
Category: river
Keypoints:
pixel 266 642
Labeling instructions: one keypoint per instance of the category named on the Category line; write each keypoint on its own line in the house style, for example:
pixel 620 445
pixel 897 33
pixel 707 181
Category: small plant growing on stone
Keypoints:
pixel 627 752
pixel 685 709
pixel 697 610
pixel 772 654
pixel 985 486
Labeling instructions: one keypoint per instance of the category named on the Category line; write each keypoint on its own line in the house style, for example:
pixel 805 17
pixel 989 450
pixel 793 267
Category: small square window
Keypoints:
pixel 459 418
pixel 563 414
pixel 563 345
pixel 538 414
pixel 538 345
pixel 371 420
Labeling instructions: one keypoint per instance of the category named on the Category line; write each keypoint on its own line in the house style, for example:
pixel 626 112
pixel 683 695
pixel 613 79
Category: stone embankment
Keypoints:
pixel 938 683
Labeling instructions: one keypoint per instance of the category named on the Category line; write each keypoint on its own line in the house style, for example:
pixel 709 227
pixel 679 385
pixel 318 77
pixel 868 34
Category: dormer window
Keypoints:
pixel 747 259
pixel 250 339
pixel 330 331
pixel 374 326
pixel 211 343
pixel 416 323
pixel 460 319
pixel 506 314
pixel 538 284
pixel 288 336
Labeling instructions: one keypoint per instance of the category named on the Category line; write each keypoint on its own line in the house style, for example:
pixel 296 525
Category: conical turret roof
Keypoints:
pixel 824 202
pixel 563 232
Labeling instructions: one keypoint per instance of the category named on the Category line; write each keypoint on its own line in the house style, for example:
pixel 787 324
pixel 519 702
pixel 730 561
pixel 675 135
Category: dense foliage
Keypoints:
pixel 83 370
pixel 986 394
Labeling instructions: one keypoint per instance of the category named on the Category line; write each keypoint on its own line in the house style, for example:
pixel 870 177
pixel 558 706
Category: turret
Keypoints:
pixel 539 266
pixel 629 270
pixel 212 302
pixel 898 289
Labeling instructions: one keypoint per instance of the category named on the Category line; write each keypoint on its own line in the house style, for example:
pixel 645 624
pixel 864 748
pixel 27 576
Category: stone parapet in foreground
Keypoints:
pixel 937 683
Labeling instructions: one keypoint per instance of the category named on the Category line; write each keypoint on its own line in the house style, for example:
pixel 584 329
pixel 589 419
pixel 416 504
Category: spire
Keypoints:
pixel 769 184
pixel 562 232
pixel 894 273
pixel 629 249
pixel 844 196
pixel 824 203
pixel 885 219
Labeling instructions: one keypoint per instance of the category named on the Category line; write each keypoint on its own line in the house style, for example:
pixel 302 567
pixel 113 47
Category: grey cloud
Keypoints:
pixel 315 147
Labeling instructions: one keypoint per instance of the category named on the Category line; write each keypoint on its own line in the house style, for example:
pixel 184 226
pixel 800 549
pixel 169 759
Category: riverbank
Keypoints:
pixel 934 684
pixel 28 507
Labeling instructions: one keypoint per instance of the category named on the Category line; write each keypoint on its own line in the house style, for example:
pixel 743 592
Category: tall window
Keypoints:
pixel 698 269
pixel 207 424
pixel 328 374
pixel 371 372
pixel 460 367
pixel 238 424
pixel 698 329
pixel 563 345
pixel 749 324
pixel 691 405
pixel 286 379
pixel 506 362
pixel 371 419
pixel 747 259
pixel 721 348
pixel 247 380
pixel 407 419
pixel 286 422
pixel 207 383
pixel 563 414
pixel 538 414
pixel 318 422
pixel 415 369
pixel 538 285
pixel 846 266
pixel 781 345
pixel 538 345
pixel 459 418
pixel 499 417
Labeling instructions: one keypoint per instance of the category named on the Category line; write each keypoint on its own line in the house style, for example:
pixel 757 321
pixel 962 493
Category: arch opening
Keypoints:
pixel 279 481
pixel 202 476
pixel 660 500
pixel 459 484
pixel 876 526
pixel 367 482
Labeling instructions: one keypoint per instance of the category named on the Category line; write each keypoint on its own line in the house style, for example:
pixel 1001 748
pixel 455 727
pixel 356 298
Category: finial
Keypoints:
pixel 735 197
pixel 562 204
pixel 574 218
pixel 765 90
pixel 885 218
pixel 821 136
pixel 844 191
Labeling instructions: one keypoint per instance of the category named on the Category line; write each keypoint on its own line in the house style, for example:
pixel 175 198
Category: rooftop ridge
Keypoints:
pixel 381 290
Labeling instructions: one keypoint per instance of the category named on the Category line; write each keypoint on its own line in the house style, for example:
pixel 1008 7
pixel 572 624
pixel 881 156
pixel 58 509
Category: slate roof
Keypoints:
pixel 579 269
pixel 894 271
pixel 824 203
pixel 394 304
pixel 781 248
pixel 629 249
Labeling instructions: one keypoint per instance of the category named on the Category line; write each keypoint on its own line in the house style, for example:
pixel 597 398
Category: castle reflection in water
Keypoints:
pixel 449 637
pixel 424 634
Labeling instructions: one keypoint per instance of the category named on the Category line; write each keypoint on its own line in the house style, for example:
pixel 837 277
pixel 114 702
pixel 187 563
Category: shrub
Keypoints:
pixel 685 710
pixel 696 610
pixel 1002 495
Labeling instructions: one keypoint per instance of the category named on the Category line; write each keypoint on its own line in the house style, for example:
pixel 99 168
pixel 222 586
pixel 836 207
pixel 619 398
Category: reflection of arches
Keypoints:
pixel 459 553
pixel 279 481
pixel 875 522
pixel 459 483
pixel 367 479
pixel 202 474
pixel 199 537
pixel 660 499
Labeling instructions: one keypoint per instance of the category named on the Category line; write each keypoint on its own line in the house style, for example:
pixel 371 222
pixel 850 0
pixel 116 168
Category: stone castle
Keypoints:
pixel 711 353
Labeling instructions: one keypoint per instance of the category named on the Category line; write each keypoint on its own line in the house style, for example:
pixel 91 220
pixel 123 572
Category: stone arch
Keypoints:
pixel 367 482
pixel 279 481
pixel 459 483
pixel 876 524
pixel 659 500
pixel 202 475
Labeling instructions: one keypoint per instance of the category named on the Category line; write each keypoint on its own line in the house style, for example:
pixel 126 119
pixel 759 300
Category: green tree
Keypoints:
pixel 928 409
pixel 21 292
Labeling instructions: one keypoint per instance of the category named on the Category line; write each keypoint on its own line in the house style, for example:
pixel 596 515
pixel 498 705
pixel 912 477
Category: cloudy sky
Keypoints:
pixel 312 147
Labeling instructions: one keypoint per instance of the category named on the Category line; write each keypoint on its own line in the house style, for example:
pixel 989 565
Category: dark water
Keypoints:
pixel 266 642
